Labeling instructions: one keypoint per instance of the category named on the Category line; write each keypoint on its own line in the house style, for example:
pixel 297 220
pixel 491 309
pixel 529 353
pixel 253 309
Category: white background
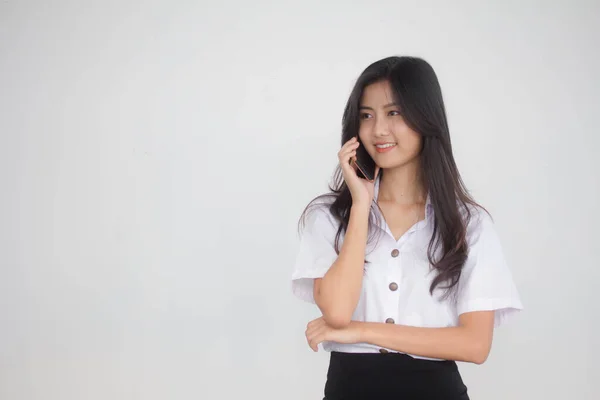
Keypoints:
pixel 155 157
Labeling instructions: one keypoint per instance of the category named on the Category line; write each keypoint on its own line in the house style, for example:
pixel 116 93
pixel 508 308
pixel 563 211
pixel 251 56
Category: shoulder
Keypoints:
pixel 318 216
pixel 479 224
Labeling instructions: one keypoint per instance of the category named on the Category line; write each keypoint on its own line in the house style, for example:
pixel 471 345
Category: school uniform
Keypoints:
pixel 395 289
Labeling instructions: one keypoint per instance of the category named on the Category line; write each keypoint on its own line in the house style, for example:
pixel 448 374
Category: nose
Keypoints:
pixel 381 127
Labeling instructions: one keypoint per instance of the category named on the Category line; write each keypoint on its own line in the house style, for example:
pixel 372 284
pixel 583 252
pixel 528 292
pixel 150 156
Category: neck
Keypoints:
pixel 402 185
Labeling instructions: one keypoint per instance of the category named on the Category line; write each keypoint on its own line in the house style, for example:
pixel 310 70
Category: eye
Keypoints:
pixel 364 115
pixel 397 113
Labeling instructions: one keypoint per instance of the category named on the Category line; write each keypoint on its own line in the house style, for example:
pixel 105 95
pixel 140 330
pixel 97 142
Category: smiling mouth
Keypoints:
pixel 382 148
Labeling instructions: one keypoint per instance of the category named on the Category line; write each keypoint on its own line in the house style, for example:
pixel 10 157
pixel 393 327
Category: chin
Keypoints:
pixel 396 163
pixel 384 161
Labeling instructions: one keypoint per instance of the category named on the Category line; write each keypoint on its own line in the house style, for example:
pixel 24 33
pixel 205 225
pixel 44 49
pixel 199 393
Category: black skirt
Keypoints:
pixel 393 376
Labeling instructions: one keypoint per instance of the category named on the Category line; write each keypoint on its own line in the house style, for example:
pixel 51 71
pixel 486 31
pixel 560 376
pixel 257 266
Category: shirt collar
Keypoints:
pixel 428 204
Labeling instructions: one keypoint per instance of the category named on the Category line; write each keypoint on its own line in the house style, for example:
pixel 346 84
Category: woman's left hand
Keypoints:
pixel 318 331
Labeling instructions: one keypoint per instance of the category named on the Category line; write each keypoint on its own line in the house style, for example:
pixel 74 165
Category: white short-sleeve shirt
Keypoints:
pixel 395 287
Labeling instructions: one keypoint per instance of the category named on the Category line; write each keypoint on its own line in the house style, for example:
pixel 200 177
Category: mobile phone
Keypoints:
pixel 365 165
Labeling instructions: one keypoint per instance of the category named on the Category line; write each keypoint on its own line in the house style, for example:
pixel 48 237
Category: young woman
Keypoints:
pixel 407 271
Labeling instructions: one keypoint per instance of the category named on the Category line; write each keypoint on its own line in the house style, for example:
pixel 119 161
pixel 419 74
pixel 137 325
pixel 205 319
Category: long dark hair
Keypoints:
pixel 418 93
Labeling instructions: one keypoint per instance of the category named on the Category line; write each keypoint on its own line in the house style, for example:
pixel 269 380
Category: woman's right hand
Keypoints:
pixel 361 189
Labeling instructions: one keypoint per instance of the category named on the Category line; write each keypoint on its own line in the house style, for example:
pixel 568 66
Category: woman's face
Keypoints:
pixel 382 130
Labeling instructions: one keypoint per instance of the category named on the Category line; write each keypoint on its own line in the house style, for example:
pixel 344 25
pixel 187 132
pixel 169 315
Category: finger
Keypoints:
pixel 315 321
pixel 352 156
pixel 347 156
pixel 350 142
pixel 315 347
pixel 349 165
pixel 349 171
pixel 349 146
pixel 313 330
pixel 309 340
pixel 313 326
pixel 315 340
pixel 315 336
pixel 353 163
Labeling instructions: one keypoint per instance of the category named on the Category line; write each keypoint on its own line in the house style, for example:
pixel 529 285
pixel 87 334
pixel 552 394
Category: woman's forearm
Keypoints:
pixel 461 343
pixel 338 292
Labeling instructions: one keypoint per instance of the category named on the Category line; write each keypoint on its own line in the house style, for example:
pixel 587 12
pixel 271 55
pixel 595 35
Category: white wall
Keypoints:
pixel 155 157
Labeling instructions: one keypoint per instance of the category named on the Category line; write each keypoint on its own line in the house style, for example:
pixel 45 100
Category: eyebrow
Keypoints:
pixel 386 106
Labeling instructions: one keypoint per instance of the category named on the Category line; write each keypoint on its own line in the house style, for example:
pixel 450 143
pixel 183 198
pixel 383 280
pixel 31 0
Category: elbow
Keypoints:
pixel 334 315
pixel 479 358
pixel 337 320
pixel 479 353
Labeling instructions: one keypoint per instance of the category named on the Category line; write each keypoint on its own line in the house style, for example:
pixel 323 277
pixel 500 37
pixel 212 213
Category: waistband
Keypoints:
pixel 392 376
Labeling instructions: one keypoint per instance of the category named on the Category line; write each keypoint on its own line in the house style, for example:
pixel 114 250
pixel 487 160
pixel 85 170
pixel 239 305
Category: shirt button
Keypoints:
pixel 389 321
pixel 395 253
pixel 383 351
pixel 393 286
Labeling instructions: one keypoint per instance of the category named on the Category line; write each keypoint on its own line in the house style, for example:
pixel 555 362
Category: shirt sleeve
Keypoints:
pixel 486 282
pixel 316 253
